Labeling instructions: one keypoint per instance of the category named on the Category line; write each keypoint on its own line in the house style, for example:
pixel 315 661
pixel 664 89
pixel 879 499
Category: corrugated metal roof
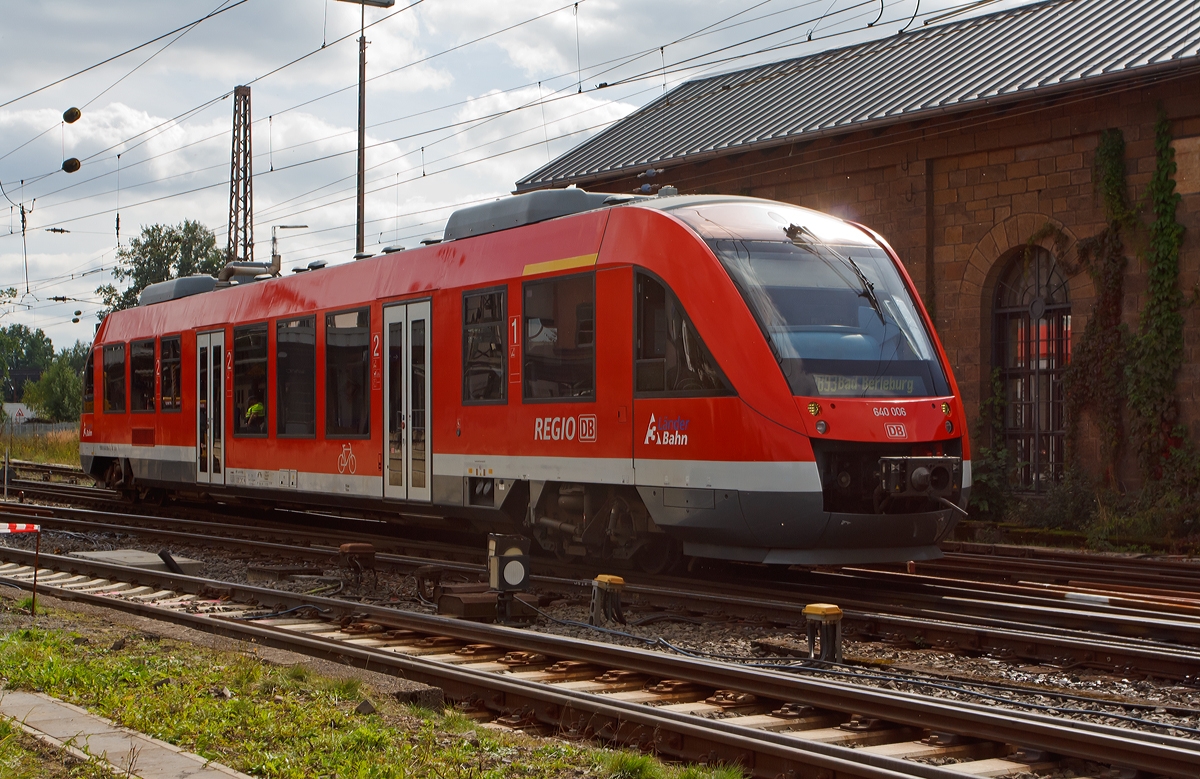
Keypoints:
pixel 997 57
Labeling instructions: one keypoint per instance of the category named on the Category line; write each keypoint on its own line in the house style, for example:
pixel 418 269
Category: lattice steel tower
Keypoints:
pixel 241 192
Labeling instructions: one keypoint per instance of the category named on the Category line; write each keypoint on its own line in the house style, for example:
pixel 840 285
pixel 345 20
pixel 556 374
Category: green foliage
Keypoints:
pixel 76 356
pixel 1162 446
pixel 22 349
pixel 630 765
pixel 162 252
pixel 58 394
pixel 1072 504
pixel 991 465
pixel 1095 378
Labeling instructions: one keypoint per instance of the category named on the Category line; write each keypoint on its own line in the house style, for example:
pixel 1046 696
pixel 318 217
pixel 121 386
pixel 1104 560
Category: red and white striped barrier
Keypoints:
pixel 18 527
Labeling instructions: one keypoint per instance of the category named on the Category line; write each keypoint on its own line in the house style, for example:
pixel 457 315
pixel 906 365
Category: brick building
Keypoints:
pixel 959 143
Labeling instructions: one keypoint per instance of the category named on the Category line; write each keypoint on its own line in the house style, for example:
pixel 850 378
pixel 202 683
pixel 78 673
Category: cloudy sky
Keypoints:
pixel 464 98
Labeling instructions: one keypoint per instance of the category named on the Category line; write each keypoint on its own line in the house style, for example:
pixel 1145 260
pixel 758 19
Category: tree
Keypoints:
pixel 22 351
pixel 162 252
pixel 76 356
pixel 58 394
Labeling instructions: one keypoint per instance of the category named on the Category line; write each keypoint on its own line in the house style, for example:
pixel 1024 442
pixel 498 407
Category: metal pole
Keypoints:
pixel 37 557
pixel 362 133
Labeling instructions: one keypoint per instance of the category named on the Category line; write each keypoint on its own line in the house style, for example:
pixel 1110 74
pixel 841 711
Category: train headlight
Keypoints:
pixel 822 427
pixel 814 408
pixel 949 426
pixel 945 408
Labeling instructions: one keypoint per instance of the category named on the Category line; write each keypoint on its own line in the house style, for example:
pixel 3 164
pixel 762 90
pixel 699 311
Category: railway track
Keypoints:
pixel 1058 566
pixel 1021 626
pixel 770 721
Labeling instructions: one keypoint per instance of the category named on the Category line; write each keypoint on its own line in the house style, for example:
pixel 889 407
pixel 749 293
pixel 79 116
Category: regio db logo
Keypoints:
pixel 667 432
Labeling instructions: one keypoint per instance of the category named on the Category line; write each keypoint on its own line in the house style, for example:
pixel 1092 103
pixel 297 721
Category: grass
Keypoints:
pixel 61 446
pixel 273 721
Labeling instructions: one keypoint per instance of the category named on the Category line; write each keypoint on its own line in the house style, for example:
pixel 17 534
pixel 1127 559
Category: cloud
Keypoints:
pixel 180 170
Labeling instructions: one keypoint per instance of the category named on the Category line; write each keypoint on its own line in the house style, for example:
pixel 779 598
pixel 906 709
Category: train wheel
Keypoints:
pixel 113 475
pixel 659 556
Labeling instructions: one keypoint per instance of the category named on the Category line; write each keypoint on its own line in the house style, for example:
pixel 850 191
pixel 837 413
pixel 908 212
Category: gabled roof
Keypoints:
pixel 1009 55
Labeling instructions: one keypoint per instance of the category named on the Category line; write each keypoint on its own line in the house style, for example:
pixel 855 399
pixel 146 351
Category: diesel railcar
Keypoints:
pixel 618 377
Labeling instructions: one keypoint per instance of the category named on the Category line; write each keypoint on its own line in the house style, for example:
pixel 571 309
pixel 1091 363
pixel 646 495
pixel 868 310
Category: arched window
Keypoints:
pixel 1032 349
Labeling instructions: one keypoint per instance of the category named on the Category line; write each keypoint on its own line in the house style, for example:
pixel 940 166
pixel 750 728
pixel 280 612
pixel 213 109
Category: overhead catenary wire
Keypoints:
pixel 214 100
pixel 56 82
pixel 656 69
pixel 558 97
pixel 708 29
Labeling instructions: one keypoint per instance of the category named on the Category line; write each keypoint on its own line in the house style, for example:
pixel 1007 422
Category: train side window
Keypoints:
pixel 250 381
pixel 296 377
pixel 89 384
pixel 141 376
pixel 670 358
pixel 559 347
pixel 484 357
pixel 347 366
pixel 170 358
pixel 114 379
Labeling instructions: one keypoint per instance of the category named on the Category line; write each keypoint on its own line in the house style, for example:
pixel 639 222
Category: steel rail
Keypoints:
pixel 945 629
pixel 1112 571
pixel 766 754
pixel 1154 752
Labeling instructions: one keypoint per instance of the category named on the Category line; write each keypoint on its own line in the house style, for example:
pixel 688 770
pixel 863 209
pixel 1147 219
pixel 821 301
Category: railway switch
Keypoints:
pixel 606 600
pixel 825 620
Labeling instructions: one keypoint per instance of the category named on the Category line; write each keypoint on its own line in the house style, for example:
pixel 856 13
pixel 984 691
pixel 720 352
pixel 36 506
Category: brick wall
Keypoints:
pixel 957 195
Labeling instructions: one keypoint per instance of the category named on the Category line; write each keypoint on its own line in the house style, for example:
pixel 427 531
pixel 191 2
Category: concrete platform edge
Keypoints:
pixel 203 766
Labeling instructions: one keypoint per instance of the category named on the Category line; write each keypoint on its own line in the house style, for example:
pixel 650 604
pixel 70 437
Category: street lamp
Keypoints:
pixel 362 115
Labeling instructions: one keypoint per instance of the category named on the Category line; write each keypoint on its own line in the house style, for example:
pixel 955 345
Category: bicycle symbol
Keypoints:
pixel 347 460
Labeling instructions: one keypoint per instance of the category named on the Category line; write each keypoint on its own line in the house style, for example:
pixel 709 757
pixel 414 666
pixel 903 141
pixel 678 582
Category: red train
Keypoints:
pixel 618 377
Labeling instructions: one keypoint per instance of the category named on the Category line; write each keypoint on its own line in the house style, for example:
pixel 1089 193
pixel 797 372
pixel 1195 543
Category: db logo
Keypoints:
pixel 587 427
pixel 895 430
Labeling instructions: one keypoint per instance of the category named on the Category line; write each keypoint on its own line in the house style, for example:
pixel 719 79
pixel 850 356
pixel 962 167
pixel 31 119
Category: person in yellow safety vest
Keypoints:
pixel 257 412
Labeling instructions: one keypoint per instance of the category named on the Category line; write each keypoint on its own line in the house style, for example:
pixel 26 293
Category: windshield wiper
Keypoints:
pixel 868 288
pixel 803 237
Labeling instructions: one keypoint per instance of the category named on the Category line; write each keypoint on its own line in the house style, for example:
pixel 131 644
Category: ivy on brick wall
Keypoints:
pixel 1112 369
pixel 1165 455
pixel 1095 378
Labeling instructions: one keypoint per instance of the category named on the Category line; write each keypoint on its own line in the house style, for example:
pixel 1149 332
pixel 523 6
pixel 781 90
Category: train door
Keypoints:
pixel 210 418
pixel 407 456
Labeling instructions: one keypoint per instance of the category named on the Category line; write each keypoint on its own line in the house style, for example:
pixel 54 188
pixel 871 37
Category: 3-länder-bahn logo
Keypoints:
pixel 667 431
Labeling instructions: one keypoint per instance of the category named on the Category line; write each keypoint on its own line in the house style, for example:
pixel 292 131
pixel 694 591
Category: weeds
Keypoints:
pixel 60 446
pixel 630 765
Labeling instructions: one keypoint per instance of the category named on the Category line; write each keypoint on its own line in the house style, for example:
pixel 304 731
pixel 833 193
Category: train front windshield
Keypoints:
pixel 828 298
